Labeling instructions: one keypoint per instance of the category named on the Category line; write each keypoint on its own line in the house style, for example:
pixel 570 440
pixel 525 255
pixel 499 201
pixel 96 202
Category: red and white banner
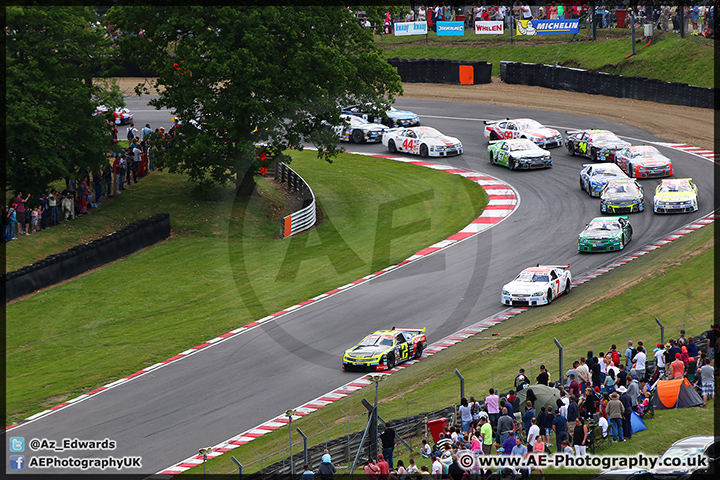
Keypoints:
pixel 489 28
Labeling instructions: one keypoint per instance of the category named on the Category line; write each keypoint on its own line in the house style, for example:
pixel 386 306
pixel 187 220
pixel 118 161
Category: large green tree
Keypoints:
pixel 51 54
pixel 238 76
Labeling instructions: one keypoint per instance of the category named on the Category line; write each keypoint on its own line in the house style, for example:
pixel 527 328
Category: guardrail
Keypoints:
pixel 305 218
pixel 600 83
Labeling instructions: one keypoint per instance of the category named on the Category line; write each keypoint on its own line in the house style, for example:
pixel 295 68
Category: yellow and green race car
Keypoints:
pixel 384 349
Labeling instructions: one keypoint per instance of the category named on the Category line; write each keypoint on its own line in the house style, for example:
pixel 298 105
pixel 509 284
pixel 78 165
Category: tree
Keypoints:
pixel 51 54
pixel 240 76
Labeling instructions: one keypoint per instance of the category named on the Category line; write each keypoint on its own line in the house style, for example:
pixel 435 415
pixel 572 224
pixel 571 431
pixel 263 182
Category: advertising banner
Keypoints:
pixel 548 27
pixel 410 28
pixel 489 28
pixel 450 29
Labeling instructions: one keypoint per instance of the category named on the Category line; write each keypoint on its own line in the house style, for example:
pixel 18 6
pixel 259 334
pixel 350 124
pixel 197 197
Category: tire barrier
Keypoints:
pixel 306 217
pixel 438 70
pixel 600 83
pixel 59 267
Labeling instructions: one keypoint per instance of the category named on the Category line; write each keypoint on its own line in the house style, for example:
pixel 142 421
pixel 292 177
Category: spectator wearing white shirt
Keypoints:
pixel 639 361
pixel 533 432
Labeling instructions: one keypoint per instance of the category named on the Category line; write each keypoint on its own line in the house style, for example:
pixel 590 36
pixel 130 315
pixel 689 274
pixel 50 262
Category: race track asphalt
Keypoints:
pixel 168 414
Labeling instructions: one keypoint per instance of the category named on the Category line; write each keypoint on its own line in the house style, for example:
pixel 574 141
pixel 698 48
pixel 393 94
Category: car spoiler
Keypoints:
pixel 564 267
pixel 491 122
pixel 418 330
pixel 572 132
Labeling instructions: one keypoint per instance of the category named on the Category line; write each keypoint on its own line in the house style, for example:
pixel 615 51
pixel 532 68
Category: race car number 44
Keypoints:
pixel 408 143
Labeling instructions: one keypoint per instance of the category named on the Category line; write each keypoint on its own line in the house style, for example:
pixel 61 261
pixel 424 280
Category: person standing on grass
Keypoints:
pixel 54 210
pixel 22 219
pixel 44 207
pixel 387 437
pixel 615 411
pixel 486 435
pixel 466 416
pixel 580 433
pixel 493 407
pixel 627 412
pixel 559 426
pixel 543 377
pixel 707 375
pixel 677 367
pixel 11 222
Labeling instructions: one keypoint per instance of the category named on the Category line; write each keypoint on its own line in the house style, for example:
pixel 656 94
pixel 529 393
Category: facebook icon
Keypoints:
pixel 17 462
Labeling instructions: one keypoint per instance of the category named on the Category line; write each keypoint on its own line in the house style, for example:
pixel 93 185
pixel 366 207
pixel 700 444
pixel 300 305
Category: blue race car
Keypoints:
pixel 594 177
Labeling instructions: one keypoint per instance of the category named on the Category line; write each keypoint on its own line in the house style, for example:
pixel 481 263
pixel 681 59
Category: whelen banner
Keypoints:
pixel 548 27
pixel 489 28
pixel 450 29
pixel 410 28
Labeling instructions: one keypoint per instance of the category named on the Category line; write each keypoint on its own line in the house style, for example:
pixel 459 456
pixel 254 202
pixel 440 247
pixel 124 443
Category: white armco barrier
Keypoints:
pixel 304 218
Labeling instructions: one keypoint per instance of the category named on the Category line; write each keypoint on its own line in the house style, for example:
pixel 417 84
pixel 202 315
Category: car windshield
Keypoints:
pixel 529 125
pixel 607 173
pixel 532 277
pixel 645 152
pixel 604 137
pixel 682 187
pixel 427 132
pixel 681 452
pixel 358 121
pixel 376 340
pixel 623 189
pixel 603 227
pixel 521 146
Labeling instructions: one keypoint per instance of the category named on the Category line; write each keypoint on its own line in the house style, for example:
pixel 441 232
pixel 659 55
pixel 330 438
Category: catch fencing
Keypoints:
pixel 600 83
pixel 306 217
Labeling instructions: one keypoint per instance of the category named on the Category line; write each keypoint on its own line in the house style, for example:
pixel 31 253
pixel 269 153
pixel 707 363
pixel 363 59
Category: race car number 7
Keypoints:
pixel 408 143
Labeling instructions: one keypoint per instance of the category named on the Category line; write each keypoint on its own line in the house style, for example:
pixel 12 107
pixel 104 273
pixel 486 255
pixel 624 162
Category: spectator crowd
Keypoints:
pixel 25 215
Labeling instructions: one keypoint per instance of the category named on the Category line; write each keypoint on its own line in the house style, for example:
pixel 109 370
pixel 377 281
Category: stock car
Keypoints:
pixel 538 285
pixel 423 141
pixel 676 195
pixel 121 115
pixel 594 177
pixel 518 154
pixel 392 117
pixel 598 145
pixel 622 196
pixel 541 135
pixel 681 461
pixel 358 130
pixel 384 349
pixel 605 234
pixel 644 161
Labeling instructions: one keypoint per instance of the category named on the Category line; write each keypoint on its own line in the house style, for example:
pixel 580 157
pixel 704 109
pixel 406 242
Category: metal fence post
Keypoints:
pixel 462 383
pixel 240 467
pixel 305 455
pixel 662 331
pixel 560 353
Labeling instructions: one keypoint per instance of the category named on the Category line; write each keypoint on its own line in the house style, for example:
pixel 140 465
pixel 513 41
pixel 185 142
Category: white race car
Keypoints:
pixel 643 161
pixel 537 286
pixel 676 195
pixel 541 135
pixel 358 130
pixel 423 141
pixel 121 115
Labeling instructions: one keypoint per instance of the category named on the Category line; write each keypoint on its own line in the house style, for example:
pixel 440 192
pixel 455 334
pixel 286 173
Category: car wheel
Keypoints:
pixel 593 155
pixel 493 136
pixel 391 361
pixel 492 159
pixel 582 185
pixel 630 232
pixel 511 163
pixel 570 148
pixel 423 150
pixel 549 296
pixel 418 351
pixel 567 287
pixel 358 136
pixel 391 146
pixel 631 170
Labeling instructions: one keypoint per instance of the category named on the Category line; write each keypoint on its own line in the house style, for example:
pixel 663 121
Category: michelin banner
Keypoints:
pixel 489 28
pixel 450 29
pixel 410 28
pixel 548 27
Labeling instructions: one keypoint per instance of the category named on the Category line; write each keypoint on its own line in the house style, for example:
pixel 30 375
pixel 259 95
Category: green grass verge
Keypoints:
pixel 696 58
pixel 199 284
pixel 672 283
